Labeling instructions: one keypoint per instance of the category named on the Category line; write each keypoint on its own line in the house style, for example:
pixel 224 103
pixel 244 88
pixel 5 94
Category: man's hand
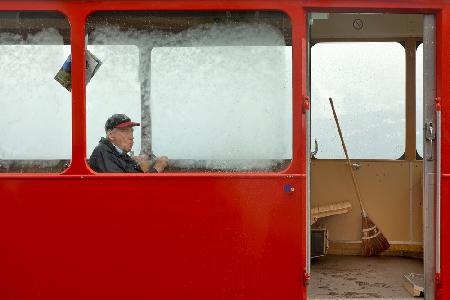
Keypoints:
pixel 143 162
pixel 161 163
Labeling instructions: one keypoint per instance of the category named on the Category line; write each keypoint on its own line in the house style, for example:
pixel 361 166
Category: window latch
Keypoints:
pixel 430 135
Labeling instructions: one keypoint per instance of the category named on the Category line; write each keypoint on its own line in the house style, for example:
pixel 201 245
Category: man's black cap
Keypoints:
pixel 119 121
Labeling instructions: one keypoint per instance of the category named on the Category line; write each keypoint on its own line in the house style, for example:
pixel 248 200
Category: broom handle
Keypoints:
pixel 346 156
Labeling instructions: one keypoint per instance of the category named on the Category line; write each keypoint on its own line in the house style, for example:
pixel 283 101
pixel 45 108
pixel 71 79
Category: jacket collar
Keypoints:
pixel 111 146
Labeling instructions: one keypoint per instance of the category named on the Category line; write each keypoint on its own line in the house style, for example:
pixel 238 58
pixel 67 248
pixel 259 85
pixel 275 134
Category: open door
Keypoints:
pixel 431 160
pixel 308 147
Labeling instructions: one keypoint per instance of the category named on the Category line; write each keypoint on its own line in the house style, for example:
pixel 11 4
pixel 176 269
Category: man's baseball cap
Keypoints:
pixel 119 121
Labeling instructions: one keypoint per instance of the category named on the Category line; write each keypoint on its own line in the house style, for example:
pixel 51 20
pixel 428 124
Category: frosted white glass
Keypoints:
pixel 228 102
pixel 35 114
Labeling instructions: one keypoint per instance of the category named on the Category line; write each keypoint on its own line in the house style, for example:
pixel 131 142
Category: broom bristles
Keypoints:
pixel 373 240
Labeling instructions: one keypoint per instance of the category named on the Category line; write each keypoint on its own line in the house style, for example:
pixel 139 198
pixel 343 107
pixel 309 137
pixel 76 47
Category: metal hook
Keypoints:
pixel 316 148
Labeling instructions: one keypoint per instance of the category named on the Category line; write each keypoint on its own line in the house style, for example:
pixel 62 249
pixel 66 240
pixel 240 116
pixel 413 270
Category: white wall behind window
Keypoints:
pixel 35 110
pixel 419 100
pixel 114 89
pixel 228 102
pixel 367 84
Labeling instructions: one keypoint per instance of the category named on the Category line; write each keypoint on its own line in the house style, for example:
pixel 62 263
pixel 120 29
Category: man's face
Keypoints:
pixel 122 138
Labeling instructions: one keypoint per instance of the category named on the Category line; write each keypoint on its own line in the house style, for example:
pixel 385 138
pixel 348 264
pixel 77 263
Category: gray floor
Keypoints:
pixel 343 277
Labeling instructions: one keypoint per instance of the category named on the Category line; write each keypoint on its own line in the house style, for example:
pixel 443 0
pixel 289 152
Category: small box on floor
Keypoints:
pixel 319 242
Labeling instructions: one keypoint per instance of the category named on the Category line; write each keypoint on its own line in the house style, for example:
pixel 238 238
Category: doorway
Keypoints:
pixel 371 67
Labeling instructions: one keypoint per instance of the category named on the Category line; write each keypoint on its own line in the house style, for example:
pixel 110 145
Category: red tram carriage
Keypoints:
pixel 214 225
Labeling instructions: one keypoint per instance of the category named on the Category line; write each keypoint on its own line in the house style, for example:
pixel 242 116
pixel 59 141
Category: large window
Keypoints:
pixel 35 114
pixel 367 83
pixel 212 90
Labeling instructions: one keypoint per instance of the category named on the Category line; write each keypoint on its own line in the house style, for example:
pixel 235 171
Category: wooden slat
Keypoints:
pixel 330 210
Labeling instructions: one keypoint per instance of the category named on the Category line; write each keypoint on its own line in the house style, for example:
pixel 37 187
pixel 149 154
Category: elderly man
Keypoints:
pixel 111 154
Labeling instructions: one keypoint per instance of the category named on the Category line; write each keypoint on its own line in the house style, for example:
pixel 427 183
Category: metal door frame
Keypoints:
pixel 431 156
pixel 431 159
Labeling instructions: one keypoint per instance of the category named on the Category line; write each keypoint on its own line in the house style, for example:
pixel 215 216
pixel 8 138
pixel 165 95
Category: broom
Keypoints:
pixel 373 240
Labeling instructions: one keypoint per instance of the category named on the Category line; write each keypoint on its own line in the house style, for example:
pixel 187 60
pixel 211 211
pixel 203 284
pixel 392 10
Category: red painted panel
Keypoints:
pixel 165 238
pixel 194 237
pixel 443 87
pixel 442 291
pixel 400 6
pixel 171 237
pixel 443 91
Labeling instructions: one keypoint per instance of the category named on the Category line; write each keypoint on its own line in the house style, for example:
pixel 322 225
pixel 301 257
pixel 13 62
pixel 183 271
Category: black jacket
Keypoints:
pixel 106 159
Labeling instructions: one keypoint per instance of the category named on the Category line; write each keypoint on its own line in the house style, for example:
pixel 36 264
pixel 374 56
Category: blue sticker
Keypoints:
pixel 288 188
